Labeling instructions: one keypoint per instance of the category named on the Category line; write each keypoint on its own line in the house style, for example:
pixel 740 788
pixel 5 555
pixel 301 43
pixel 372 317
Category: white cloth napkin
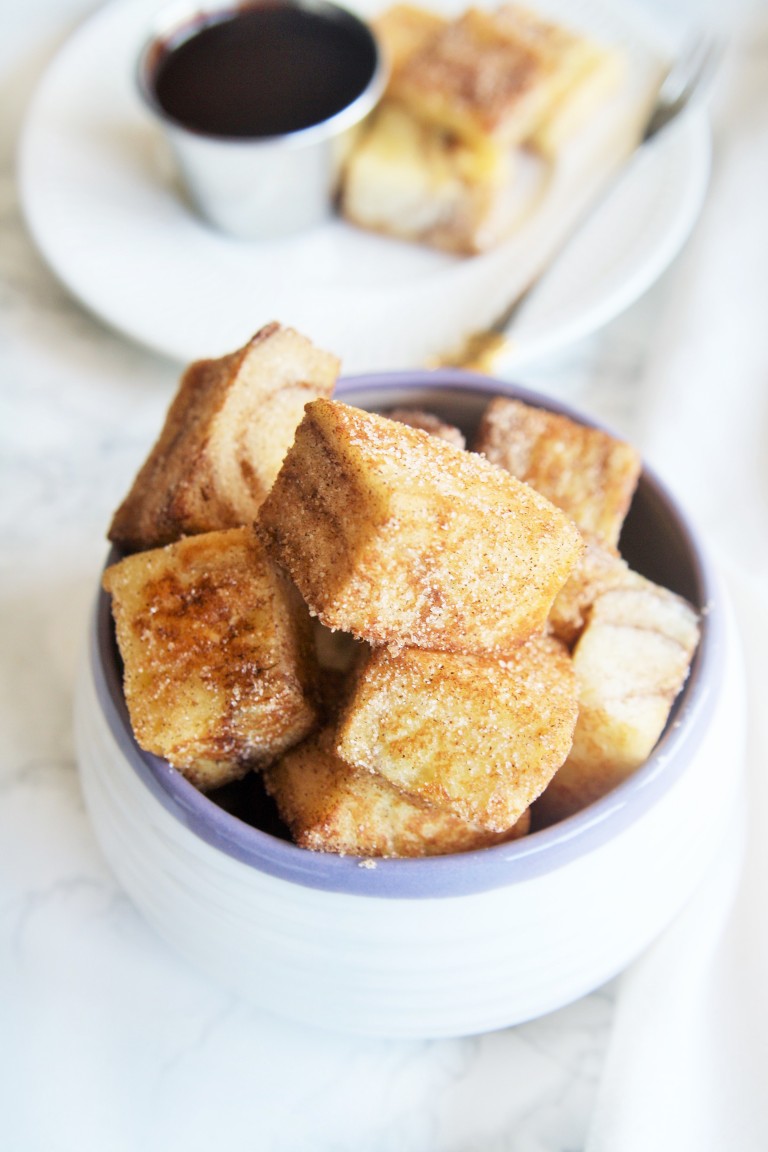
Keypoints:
pixel 687 1067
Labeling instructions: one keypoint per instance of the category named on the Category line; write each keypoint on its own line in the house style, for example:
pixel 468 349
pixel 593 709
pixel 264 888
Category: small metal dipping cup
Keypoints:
pixel 261 186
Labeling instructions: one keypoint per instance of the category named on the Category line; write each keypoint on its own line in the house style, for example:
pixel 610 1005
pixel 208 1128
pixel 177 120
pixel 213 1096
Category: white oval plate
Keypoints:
pixel 103 208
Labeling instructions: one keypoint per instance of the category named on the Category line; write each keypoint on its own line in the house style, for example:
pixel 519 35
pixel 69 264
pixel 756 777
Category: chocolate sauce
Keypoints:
pixel 262 70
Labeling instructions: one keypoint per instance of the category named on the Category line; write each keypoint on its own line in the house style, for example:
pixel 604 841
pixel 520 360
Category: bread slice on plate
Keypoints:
pixel 402 29
pixel 489 75
pixel 476 113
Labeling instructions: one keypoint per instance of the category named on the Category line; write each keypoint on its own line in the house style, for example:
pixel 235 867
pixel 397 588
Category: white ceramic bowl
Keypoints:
pixel 442 946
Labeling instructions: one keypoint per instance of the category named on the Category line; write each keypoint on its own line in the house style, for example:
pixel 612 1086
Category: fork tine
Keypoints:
pixel 688 80
pixel 685 68
pixel 704 69
pixel 677 73
pixel 710 66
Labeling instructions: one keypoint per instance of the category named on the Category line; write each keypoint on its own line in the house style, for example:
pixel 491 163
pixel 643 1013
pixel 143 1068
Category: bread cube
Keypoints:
pixel 476 736
pixel 224 439
pixel 489 74
pixel 508 73
pixel 584 75
pixel 332 807
pixel 401 539
pixel 408 178
pixel 631 662
pixel 477 111
pixel 403 28
pixel 598 570
pixel 428 422
pixel 218 655
pixel 587 472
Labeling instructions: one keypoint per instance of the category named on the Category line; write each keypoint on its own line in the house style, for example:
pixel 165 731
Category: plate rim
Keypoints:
pixel 86 289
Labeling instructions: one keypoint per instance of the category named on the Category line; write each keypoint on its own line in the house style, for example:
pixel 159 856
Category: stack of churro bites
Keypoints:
pixel 632 641
pixel 480 109
pixel 220 673
pixel 421 649
pixel 445 567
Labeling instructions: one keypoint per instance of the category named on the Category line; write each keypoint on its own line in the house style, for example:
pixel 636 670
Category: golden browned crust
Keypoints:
pixel 331 807
pixel 478 737
pixel 507 75
pixel 218 656
pixel 583 74
pixel 401 539
pixel 223 441
pixel 588 473
pixel 486 74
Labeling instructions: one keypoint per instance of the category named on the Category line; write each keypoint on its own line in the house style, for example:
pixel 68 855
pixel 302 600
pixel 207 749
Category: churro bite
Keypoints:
pixel 428 422
pixel 219 669
pixel 224 439
pixel 476 736
pixel 598 570
pixel 401 539
pixel 330 806
pixel 406 178
pixel 585 471
pixel 489 74
pixel 630 662
pixel 421 649
pixel 576 75
pixel 402 29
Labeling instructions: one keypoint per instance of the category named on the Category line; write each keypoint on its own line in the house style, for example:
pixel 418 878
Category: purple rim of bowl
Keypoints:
pixel 469 872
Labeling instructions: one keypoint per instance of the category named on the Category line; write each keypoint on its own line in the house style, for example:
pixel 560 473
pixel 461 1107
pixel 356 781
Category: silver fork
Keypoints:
pixel 685 85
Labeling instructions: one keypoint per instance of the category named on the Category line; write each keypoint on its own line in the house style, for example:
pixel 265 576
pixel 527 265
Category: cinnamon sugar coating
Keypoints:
pixel 588 473
pixel 401 539
pixel 331 807
pixel 489 74
pixel 224 439
pixel 218 657
pixel 477 736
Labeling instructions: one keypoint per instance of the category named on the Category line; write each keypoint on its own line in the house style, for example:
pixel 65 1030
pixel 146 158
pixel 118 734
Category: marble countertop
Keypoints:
pixel 107 1042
